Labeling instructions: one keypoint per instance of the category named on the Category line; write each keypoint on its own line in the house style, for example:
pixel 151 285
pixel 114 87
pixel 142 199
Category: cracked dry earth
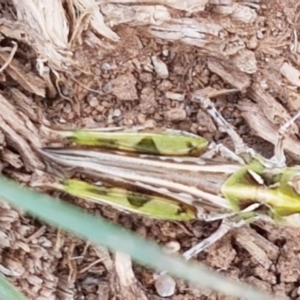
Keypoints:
pixel 143 73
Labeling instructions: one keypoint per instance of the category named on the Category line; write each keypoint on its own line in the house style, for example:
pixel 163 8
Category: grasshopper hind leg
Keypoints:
pixel 239 145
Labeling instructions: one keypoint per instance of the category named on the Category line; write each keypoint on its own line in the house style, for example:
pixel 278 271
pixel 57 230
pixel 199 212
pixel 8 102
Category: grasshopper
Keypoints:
pixel 172 175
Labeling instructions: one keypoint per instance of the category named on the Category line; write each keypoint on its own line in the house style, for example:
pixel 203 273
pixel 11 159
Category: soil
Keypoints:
pixel 142 71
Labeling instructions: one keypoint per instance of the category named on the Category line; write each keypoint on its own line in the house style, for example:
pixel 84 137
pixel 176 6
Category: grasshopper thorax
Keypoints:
pixel 275 189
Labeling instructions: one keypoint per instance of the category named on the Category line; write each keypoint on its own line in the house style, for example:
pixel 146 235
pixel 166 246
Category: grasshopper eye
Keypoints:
pixel 295 183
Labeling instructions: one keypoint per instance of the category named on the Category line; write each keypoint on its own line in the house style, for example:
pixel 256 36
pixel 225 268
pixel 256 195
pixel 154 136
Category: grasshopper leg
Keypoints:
pixel 225 227
pixel 279 156
pixel 224 152
pixel 206 103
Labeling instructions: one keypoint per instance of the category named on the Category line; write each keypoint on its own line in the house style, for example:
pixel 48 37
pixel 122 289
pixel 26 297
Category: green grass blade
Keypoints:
pixel 8 291
pixel 100 231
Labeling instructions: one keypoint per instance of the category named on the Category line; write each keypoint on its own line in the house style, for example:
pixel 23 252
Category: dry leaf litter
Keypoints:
pixel 78 63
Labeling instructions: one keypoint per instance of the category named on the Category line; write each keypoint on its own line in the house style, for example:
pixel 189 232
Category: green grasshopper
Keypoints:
pixel 160 174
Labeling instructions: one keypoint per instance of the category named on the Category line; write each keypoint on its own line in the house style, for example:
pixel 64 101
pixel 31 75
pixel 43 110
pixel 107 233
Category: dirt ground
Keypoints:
pixel 140 69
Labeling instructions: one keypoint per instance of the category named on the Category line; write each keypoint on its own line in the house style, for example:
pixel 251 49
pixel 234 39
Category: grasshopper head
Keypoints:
pixel 282 195
pixel 287 205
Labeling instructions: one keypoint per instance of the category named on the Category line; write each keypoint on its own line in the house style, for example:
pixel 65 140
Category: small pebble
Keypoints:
pixel 62 121
pixel 107 88
pixel 172 247
pixel 165 285
pixel 100 108
pixel 77 73
pixel 146 77
pixel 175 96
pixel 117 113
pixel 106 66
pixel 65 91
pixel 252 43
pixel 149 123
pixel 165 52
pixel 160 67
pixel 165 85
pixel 93 102
pixel 259 35
pixel 141 118
pixel 67 108
pixel 175 114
